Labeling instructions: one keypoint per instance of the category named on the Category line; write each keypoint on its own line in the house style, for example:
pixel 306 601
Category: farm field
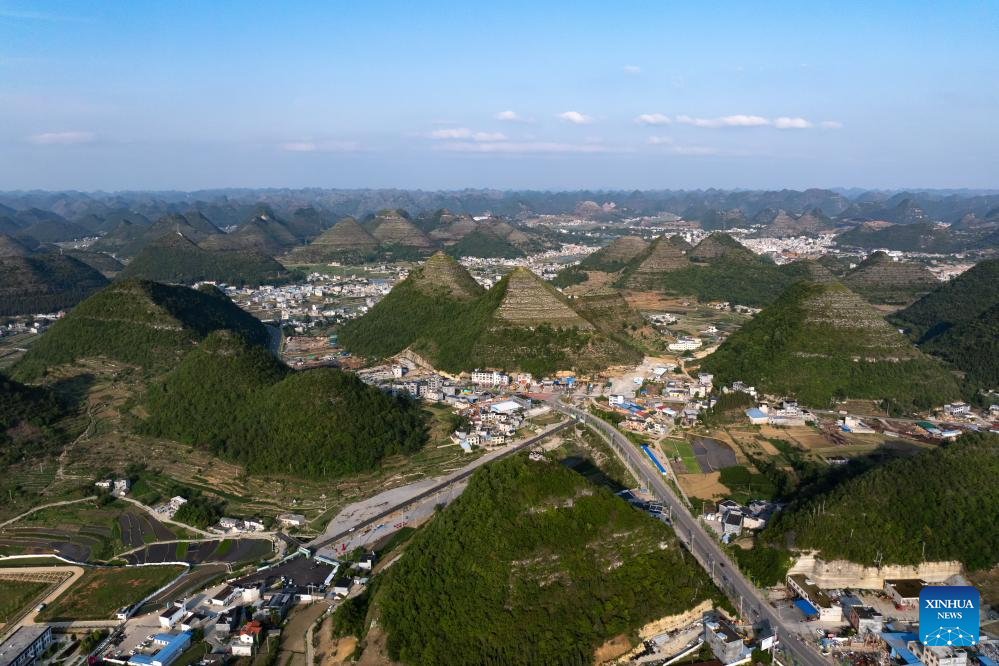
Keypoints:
pixel 15 595
pixel 199 552
pixel 681 448
pixel 102 591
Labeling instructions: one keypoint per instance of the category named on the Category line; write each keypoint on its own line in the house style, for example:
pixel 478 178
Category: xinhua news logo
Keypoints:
pixel 948 616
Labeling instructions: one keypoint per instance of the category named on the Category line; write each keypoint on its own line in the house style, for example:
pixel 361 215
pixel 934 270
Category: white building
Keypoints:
pixel 685 344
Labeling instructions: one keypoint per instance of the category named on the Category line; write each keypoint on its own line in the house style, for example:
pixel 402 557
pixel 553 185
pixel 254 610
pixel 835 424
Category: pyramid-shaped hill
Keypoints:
pixel 344 241
pixel 607 310
pixel 104 264
pixel 521 323
pixel 485 243
pixel 263 233
pixel 960 300
pixel 810 271
pixel 881 279
pixel 175 259
pixel 453 227
pixel 198 231
pixel 717 245
pixel 123 235
pixel 35 283
pixel 529 301
pixel 824 342
pixel 616 255
pixel 140 323
pixel 664 255
pixel 391 228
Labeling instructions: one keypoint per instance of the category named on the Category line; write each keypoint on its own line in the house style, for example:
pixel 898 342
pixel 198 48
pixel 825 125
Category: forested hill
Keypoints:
pixel 945 498
pixel 28 421
pixel 33 283
pixel 141 323
pixel 532 564
pixel 818 342
pixel 239 402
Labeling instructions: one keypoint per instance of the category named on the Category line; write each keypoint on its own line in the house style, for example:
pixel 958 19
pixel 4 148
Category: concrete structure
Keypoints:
pixel 170 646
pixel 724 641
pixel 904 592
pixel 805 588
pixel 25 646
pixel 865 620
pixel 171 615
pixel 938 656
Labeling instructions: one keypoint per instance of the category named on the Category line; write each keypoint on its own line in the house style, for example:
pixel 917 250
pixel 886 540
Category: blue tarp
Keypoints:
pixel 652 456
pixel 808 609
pixel 898 642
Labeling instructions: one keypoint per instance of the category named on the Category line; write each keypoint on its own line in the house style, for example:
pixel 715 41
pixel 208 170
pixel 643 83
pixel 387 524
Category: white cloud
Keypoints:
pixel 694 151
pixel 320 146
pixel 511 117
pixel 523 147
pixel 653 119
pixel 661 140
pixel 831 124
pixel 739 120
pixel 632 69
pixel 61 138
pixel 465 133
pixel 452 133
pixel 576 118
pixel 791 123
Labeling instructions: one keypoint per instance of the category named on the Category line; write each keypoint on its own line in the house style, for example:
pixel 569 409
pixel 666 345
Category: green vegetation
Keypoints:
pixel 40 283
pixel 766 565
pixel 729 407
pixel 958 321
pixel 822 342
pixel 147 324
pixel 236 400
pixel 532 564
pixel 745 485
pixel 918 237
pixel 175 259
pixel 350 619
pixel 480 243
pixel 880 279
pixel 748 281
pixel 15 595
pixel 459 329
pixel 100 592
pixel 29 418
pixel 569 276
pixel 199 510
pixel 942 500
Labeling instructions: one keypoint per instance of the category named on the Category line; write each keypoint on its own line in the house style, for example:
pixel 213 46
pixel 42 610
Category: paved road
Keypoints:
pixel 702 545
pixel 388 511
pixel 46 506
pixel 72 574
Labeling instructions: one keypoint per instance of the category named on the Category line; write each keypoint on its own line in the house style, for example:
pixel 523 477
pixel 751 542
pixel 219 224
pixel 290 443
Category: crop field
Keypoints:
pixel 15 595
pixel 83 532
pixel 102 591
pixel 200 552
pixel 681 448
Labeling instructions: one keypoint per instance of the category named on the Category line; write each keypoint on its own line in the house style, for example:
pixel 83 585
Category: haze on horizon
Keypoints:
pixel 164 96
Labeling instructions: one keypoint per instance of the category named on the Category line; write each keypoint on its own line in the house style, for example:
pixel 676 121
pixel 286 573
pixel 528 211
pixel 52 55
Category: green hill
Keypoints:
pixel 32 283
pixel 174 258
pixel 393 229
pixel 264 234
pixel 918 237
pixel 532 564
pixel 647 270
pixel 609 259
pixel 239 402
pixel 880 279
pixel 521 323
pixel 345 241
pixel 482 243
pixel 718 245
pixel 819 342
pixel 140 323
pixel 104 264
pixel 942 500
pixel 973 348
pixel 960 300
pixel 28 422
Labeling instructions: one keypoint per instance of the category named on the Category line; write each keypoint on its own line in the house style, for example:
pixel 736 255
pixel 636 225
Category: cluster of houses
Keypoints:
pixel 785 413
pixel 234 525
pixel 673 400
pixel 30 325
pixel 733 517
pixel 491 423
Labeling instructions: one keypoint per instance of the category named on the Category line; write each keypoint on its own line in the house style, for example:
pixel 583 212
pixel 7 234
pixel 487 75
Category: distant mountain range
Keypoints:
pixel 34 282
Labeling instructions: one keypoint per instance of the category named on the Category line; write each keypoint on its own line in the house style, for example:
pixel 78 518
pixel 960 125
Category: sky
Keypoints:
pixel 510 95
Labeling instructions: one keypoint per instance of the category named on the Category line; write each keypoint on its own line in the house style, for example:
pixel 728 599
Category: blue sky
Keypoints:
pixel 187 95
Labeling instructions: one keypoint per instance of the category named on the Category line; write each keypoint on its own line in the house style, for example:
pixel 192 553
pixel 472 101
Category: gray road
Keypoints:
pixel 702 545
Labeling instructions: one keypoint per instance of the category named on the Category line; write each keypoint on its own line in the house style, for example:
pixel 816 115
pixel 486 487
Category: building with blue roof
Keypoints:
pixel 171 647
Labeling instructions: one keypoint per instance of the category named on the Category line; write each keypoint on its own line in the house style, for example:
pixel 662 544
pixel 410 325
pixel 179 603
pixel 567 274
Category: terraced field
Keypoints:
pixel 199 552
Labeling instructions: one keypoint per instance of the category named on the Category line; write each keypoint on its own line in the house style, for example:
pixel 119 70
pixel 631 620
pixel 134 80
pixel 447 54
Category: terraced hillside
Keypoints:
pixel 718 245
pixel 820 342
pixel 264 233
pixel 392 228
pixel 609 259
pixel 137 322
pixel 521 323
pixel 344 241
pixel 783 225
pixel 880 279
pixel 663 256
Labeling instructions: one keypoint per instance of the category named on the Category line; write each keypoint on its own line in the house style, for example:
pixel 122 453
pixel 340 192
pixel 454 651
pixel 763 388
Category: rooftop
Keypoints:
pixel 907 588
pixel 19 641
